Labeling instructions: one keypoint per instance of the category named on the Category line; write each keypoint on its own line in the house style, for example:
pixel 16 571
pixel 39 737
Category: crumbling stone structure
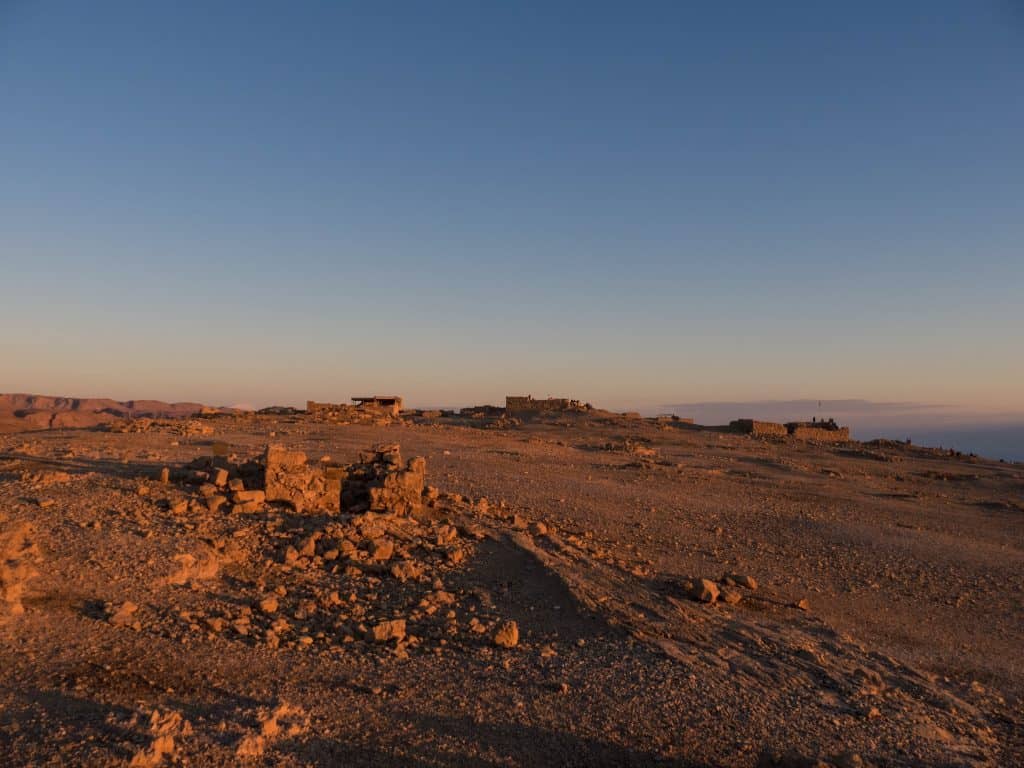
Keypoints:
pixel 288 478
pixel 527 405
pixel 825 431
pixel 371 408
pixel 389 404
pixel 759 428
pixel 378 482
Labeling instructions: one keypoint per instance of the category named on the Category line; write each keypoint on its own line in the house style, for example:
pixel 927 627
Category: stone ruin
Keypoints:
pixel 378 482
pixel 528 405
pixel 373 408
pixel 374 573
pixel 182 427
pixel 289 478
pixel 758 428
pixel 825 431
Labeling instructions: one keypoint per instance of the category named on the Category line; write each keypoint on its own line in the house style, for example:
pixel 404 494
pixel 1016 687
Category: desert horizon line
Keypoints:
pixel 864 405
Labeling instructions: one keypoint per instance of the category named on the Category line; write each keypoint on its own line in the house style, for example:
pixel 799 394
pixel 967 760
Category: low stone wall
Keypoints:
pixel 837 435
pixel 759 428
pixel 346 412
pixel 527 404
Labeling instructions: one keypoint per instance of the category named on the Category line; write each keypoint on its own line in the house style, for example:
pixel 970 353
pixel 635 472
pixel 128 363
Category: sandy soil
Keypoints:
pixel 906 649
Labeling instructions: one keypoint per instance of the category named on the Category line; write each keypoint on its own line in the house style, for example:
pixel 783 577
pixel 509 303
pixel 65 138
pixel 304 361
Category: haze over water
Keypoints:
pixel 993 435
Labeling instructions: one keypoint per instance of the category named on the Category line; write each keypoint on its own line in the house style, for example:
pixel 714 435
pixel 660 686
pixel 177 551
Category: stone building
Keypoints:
pixel 361 408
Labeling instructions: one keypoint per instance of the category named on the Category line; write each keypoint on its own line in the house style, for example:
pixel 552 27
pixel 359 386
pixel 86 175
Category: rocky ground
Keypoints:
pixel 587 591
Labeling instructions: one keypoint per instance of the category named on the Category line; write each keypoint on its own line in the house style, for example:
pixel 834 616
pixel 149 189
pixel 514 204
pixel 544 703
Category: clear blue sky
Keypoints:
pixel 633 203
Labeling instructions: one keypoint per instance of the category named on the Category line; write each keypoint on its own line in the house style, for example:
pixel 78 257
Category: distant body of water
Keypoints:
pixel 994 442
pixel 992 435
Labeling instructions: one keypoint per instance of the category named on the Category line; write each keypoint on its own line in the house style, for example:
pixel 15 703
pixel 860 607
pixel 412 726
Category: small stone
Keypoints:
pixel 446 534
pixel 405 570
pixel 242 496
pixel 538 529
pixel 308 547
pixel 704 591
pixel 731 596
pixel 381 550
pixel 268 604
pixel 803 604
pixel 165 475
pixel 215 502
pixel 386 630
pixel 748 582
pixel 507 635
pixel 121 616
pixel 456 556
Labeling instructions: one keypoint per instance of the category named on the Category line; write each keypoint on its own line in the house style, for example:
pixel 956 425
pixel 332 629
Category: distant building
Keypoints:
pixel 388 403
pixel 369 407
pixel 825 431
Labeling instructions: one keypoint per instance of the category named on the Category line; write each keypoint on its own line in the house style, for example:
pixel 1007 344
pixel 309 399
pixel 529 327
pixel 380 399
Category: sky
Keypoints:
pixel 635 204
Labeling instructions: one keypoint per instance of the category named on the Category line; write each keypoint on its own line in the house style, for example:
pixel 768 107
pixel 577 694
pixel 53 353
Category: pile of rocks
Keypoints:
pixel 707 591
pixel 218 483
pixel 372 572
pixel 380 482
pixel 182 427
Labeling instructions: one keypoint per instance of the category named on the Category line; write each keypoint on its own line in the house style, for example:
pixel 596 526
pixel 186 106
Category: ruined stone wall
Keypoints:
pixel 836 435
pixel 330 410
pixel 759 428
pixel 378 482
pixel 350 412
pixel 548 405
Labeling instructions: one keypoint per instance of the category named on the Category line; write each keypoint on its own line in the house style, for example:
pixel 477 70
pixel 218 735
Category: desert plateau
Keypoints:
pixel 575 587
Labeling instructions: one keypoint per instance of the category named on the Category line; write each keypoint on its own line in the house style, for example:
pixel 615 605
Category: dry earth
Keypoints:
pixel 139 627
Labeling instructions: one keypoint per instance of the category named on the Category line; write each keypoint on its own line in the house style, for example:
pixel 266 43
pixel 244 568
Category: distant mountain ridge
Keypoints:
pixel 20 411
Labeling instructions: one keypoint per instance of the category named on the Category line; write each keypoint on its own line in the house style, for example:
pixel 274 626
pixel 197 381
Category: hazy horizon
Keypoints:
pixel 992 433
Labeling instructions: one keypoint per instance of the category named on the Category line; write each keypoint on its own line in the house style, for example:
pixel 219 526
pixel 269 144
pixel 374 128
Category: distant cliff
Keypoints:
pixel 28 412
